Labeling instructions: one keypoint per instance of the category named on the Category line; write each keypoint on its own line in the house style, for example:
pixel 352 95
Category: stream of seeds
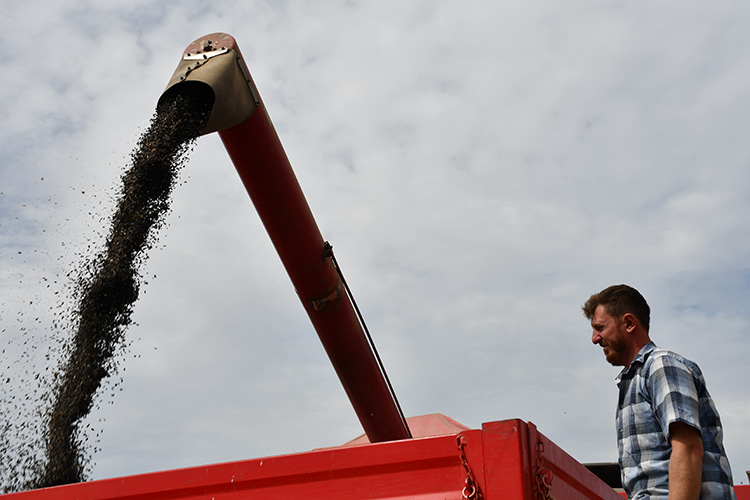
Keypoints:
pixel 108 286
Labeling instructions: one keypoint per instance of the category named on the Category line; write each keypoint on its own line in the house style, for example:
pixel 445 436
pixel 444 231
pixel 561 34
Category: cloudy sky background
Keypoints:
pixel 480 168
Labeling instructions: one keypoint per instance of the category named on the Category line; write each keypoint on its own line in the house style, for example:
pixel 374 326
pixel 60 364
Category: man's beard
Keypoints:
pixel 617 348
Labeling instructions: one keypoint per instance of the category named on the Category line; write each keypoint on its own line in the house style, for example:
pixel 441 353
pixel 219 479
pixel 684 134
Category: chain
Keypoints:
pixel 471 489
pixel 543 476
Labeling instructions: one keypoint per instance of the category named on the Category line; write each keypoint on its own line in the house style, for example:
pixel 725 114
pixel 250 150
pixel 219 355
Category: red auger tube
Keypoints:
pixel 256 151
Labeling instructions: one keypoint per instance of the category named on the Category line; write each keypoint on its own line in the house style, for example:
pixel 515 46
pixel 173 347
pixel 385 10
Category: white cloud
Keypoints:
pixel 479 168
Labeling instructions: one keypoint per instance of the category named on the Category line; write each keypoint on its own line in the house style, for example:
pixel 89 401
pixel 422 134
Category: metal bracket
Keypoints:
pixel 249 80
pixel 204 55
pixel 201 56
pixel 334 297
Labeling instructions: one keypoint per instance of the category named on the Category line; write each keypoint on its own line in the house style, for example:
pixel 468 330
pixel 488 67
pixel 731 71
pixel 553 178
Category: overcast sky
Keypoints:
pixel 480 168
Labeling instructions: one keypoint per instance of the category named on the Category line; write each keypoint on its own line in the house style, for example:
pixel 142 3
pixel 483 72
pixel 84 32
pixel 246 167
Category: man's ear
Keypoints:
pixel 630 322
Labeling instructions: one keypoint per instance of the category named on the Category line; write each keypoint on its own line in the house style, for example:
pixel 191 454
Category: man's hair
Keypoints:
pixel 619 300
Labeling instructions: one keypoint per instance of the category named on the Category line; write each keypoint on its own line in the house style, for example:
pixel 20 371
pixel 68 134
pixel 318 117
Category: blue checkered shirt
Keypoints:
pixel 658 388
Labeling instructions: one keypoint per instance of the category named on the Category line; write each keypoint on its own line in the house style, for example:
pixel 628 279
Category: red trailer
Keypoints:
pixel 502 460
pixel 429 457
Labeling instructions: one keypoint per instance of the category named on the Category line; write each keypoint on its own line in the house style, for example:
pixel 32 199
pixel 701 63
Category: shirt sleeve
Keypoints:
pixel 674 395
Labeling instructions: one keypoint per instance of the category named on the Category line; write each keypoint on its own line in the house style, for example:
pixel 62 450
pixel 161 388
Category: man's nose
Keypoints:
pixel 595 337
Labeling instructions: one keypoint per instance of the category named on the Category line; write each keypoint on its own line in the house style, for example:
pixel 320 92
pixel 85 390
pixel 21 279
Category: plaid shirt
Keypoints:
pixel 661 387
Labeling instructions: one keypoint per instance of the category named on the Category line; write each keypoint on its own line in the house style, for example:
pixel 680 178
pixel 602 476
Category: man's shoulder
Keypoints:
pixel 660 358
pixel 667 371
pixel 660 352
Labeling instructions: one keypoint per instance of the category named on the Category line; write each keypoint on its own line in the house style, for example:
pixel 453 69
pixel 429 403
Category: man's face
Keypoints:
pixel 609 333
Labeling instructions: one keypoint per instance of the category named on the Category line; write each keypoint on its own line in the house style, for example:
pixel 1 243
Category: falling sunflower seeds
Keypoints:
pixel 107 288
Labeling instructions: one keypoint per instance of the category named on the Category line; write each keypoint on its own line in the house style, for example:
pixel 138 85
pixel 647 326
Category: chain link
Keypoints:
pixel 471 489
pixel 543 476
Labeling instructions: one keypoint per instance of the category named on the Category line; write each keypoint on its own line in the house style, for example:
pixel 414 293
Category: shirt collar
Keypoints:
pixel 639 359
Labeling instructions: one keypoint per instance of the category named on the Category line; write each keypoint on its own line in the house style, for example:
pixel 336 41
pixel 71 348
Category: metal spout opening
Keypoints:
pixel 215 63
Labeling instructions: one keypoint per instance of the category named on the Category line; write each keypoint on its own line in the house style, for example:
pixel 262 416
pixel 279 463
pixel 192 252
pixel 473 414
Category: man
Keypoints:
pixel 669 434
